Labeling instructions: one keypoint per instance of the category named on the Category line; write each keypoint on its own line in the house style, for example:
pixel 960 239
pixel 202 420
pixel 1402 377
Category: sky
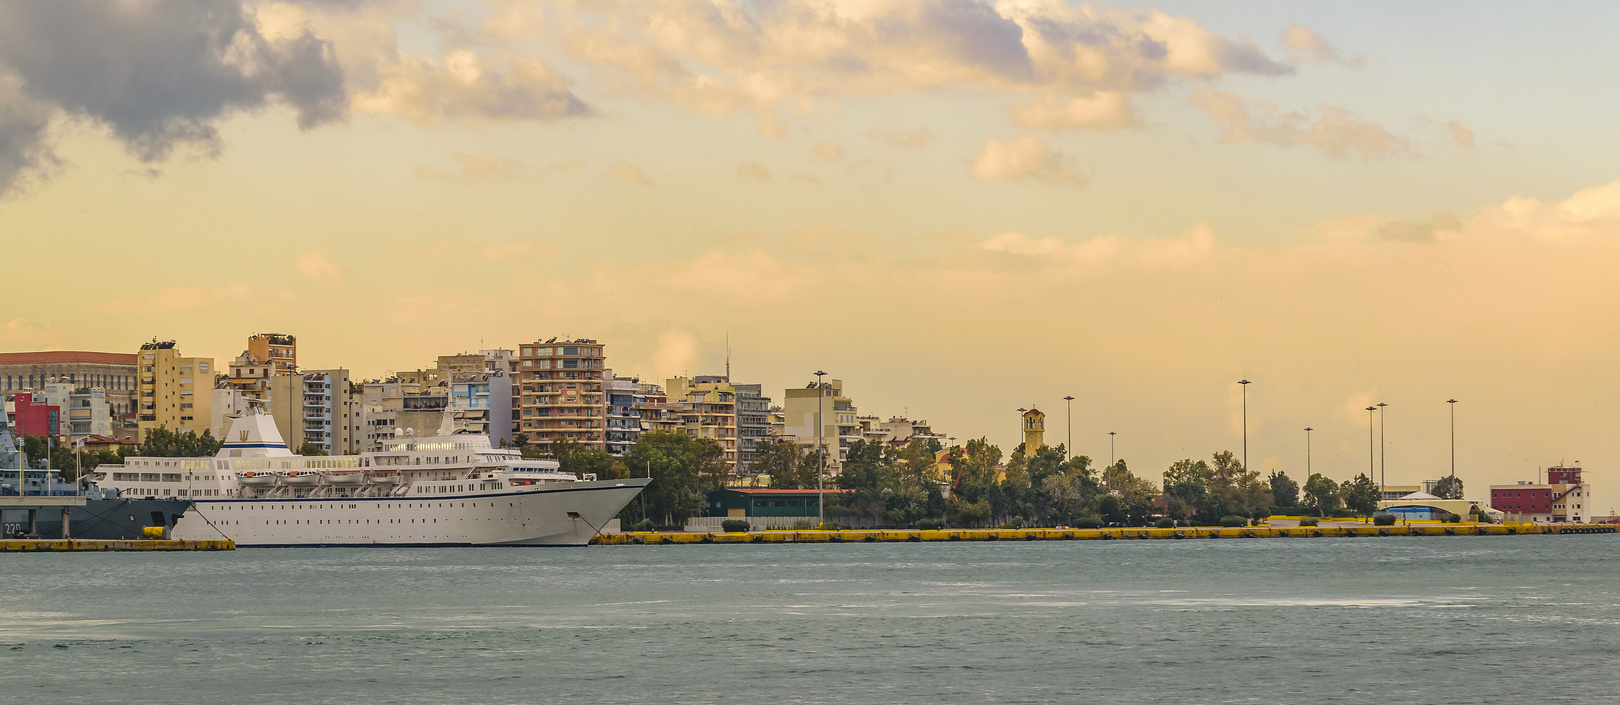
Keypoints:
pixel 959 208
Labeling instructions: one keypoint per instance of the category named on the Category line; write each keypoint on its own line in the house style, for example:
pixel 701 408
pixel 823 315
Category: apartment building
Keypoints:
pixel 481 403
pixel 249 375
pixel 706 406
pixel 276 349
pixel 562 392
pixel 330 416
pixel 506 362
pixel 826 403
pixel 174 391
pixel 84 411
pixel 753 424
pixel 657 414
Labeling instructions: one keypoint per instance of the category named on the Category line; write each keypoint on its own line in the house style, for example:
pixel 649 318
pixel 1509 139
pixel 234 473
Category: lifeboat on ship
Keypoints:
pixel 301 477
pixel 343 477
pixel 256 478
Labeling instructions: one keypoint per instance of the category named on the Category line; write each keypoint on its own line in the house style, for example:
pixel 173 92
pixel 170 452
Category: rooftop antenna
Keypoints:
pixel 728 354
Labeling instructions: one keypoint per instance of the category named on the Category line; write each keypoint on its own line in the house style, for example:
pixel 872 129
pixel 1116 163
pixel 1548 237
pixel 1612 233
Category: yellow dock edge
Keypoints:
pixel 19 545
pixel 919 535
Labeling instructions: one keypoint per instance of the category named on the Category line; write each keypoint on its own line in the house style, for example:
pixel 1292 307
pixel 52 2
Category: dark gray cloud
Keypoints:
pixel 157 73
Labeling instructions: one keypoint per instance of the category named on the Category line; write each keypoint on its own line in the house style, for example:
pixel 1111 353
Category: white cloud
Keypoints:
pixel 316 266
pixel 830 151
pixel 475 168
pixel 754 172
pixel 467 88
pixel 1462 135
pixel 628 173
pixel 1334 130
pixel 1305 47
pixel 904 139
pixel 718 56
pixel 1110 251
pixel 1104 110
pixel 1026 157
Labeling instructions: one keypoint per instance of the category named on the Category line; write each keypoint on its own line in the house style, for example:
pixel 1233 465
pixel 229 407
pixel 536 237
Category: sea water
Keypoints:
pixel 1399 620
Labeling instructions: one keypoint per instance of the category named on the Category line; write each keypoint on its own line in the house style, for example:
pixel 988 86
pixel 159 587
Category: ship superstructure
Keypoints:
pixel 447 489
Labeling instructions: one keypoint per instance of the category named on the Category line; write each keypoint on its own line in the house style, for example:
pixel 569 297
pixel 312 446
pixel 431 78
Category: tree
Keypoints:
pixel 1449 487
pixel 1321 494
pixel 1361 495
pixel 310 449
pixel 678 465
pixel 789 465
pixel 1236 489
pixel 1284 490
pixel 160 442
pixel 577 458
pixel 1184 483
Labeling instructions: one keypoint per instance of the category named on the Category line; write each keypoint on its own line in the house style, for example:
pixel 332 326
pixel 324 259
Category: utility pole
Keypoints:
pixel 1308 430
pixel 1245 384
pixel 1069 450
pixel 821 448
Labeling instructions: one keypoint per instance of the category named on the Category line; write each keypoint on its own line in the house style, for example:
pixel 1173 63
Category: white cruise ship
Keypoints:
pixel 448 489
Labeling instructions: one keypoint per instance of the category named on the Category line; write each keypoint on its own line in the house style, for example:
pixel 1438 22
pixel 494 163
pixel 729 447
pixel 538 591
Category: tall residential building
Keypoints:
pixel 174 391
pixel 277 349
pixel 250 376
pixel 839 426
pixel 657 414
pixel 753 424
pixel 707 408
pixel 623 412
pixel 331 415
pixel 562 393
pixel 481 403
pixel 84 410
pixel 316 407
pixel 506 362
pixel 112 372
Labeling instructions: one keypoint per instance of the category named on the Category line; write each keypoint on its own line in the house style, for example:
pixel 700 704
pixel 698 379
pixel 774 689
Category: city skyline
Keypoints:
pixel 1345 207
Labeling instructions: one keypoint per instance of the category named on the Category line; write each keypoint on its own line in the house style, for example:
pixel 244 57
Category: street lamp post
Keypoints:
pixel 1383 466
pixel 821 448
pixel 1245 384
pixel 1112 458
pixel 1069 402
pixel 1308 430
pixel 1453 403
pixel 1371 456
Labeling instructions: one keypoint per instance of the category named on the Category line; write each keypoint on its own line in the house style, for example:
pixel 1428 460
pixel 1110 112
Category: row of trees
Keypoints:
pixel 1324 496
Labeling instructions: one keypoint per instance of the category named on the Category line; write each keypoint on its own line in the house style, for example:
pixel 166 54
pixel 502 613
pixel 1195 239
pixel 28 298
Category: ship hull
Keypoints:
pixel 564 514
pixel 102 519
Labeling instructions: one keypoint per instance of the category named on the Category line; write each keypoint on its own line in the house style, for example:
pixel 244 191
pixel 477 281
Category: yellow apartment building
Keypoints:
pixel 173 391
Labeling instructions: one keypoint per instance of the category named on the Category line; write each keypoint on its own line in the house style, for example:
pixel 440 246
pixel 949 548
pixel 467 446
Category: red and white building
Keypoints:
pixel 1561 498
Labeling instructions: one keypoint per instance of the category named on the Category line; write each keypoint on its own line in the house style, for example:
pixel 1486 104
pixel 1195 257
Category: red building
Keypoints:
pixel 1522 499
pixel 1561 498
pixel 35 417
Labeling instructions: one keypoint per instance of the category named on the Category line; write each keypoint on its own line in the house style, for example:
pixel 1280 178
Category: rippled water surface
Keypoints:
pixel 1430 620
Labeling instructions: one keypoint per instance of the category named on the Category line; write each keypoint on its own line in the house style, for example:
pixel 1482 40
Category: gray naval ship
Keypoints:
pixel 105 514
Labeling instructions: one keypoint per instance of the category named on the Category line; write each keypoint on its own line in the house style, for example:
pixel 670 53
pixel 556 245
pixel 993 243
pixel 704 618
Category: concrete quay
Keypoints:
pixel 53 545
pixel 1118 534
